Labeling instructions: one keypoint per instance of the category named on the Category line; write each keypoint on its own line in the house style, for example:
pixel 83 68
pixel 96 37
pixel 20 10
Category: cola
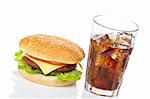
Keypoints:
pixel 107 60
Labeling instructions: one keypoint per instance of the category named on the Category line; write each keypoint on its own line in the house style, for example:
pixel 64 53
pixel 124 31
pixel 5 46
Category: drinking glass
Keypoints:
pixel 111 43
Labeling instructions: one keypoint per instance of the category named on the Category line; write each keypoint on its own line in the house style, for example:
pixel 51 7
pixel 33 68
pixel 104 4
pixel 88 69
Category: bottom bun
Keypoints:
pixel 45 80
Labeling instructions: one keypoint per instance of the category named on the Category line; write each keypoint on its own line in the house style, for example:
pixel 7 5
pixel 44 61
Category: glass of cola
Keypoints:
pixel 111 43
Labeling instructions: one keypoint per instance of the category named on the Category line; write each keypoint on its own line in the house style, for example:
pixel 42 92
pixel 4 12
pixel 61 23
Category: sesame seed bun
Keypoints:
pixel 52 48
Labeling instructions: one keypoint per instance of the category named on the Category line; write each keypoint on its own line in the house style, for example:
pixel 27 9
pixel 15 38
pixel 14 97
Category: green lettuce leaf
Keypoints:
pixel 30 70
pixel 68 76
pixel 22 64
pixel 18 55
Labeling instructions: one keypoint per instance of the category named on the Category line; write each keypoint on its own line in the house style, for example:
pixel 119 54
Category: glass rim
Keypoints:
pixel 134 30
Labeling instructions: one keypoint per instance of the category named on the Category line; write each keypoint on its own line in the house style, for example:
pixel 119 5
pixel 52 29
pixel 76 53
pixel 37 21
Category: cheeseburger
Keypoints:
pixel 49 60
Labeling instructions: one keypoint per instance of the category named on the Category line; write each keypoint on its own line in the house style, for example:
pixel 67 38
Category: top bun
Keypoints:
pixel 52 48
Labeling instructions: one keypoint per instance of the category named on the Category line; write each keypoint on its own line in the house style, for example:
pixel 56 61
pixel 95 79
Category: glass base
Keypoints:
pixel 101 92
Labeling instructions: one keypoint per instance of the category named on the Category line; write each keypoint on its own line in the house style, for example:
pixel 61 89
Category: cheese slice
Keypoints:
pixel 45 67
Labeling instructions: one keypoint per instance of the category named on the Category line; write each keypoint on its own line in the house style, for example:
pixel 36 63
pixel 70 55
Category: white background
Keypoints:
pixel 72 20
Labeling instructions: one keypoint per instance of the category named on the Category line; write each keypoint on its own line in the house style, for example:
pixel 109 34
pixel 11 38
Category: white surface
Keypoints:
pixel 72 20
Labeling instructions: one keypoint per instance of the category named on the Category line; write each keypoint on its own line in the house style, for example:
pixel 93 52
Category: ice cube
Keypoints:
pixel 99 83
pixel 105 60
pixel 99 59
pixel 93 72
pixel 111 75
pixel 110 62
pixel 119 54
pixel 104 83
pixel 124 40
pixel 101 44
pixel 103 71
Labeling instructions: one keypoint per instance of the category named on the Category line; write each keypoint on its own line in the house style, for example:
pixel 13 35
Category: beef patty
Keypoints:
pixel 67 68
